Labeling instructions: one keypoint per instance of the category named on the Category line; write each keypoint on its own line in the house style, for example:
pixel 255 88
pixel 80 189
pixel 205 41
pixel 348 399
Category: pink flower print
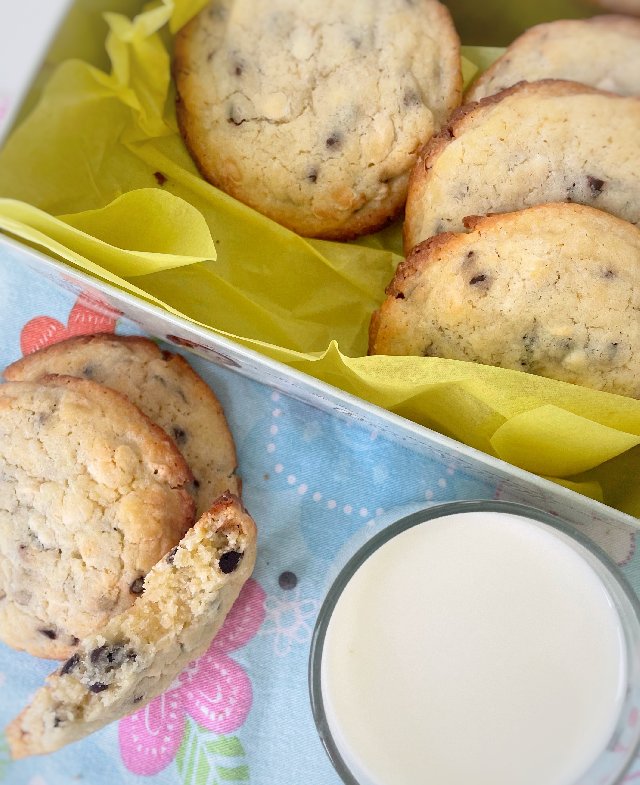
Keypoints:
pixel 87 316
pixel 214 691
pixel 149 739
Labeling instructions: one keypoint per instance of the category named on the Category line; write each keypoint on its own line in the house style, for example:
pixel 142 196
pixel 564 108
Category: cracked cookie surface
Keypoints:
pixel 603 52
pixel 91 496
pixel 553 290
pixel 115 672
pixel 313 113
pixel 164 386
pixel 538 142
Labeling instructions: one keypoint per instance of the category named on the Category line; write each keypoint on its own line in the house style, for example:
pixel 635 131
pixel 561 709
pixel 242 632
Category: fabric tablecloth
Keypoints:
pixel 316 485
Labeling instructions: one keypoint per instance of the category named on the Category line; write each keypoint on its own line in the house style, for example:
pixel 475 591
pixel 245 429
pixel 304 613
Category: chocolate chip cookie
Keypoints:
pixel 313 113
pixel 163 386
pixel 603 52
pixel 553 290
pixel 115 672
pixel 537 142
pixel 92 494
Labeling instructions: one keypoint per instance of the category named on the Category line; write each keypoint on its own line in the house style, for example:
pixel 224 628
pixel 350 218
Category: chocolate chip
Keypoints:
pixel 229 561
pixel 171 554
pixel 179 435
pixel 74 641
pixel 56 721
pixel 335 140
pixel 595 184
pixel 51 634
pixel 161 179
pixel 108 658
pixel 288 580
pixel 471 254
pixel 477 279
pixel 96 654
pixel 70 664
pixel 137 587
pixel 411 98
pixel 88 371
pixel 238 70
pixel 312 175
pixel 98 686
pixel 196 483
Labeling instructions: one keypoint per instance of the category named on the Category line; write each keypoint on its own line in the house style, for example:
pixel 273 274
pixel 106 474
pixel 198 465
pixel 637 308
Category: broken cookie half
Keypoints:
pixel 186 598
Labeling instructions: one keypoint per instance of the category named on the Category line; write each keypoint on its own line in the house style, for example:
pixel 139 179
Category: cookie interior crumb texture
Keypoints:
pixel 535 143
pixel 164 386
pixel 92 495
pixel 553 290
pixel 137 655
pixel 313 113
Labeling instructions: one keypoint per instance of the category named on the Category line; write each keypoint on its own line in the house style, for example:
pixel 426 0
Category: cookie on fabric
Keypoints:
pixel 313 113
pixel 603 52
pixel 117 671
pixel 164 386
pixel 552 290
pixel 537 142
pixel 92 494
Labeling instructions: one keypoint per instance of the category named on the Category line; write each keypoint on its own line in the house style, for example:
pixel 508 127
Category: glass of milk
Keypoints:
pixel 478 643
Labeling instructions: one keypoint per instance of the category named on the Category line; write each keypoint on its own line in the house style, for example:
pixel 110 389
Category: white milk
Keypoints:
pixel 476 649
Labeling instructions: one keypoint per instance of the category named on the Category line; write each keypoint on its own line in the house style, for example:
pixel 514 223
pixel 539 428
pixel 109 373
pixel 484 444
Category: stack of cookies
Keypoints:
pixel 110 449
pixel 522 216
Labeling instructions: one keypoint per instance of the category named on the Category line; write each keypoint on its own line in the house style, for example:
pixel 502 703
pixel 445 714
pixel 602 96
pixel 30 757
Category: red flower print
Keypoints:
pixel 86 316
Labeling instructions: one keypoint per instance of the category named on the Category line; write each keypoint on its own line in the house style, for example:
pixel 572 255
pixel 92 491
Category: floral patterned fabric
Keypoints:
pixel 316 485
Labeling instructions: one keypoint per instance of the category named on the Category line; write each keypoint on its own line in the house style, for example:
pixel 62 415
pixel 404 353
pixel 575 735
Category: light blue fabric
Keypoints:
pixel 314 484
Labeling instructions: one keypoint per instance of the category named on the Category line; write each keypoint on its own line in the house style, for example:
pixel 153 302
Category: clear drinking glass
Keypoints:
pixel 613 762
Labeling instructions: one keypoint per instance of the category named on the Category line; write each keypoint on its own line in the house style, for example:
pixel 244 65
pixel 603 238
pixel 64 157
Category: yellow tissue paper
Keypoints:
pixel 101 152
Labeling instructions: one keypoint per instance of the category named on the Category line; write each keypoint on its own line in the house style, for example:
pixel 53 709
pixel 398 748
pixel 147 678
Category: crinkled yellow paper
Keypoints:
pixel 102 153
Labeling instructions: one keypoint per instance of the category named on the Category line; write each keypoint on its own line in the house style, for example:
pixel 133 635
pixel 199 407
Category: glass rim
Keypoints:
pixel 365 551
